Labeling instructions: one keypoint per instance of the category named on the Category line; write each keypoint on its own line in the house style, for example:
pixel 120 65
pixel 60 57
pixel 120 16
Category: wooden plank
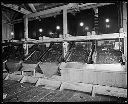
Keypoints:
pixel 48 82
pixel 105 77
pixel 14 77
pixel 112 91
pixel 125 16
pixel 76 86
pixel 95 37
pixel 32 7
pixel 26 34
pixel 79 38
pixel 70 6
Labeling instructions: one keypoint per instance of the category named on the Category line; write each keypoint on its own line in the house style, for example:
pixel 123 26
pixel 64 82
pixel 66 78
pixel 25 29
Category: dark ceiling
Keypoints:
pixel 15 15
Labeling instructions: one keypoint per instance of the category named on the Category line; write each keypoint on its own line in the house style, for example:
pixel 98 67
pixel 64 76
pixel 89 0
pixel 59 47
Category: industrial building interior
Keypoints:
pixel 64 52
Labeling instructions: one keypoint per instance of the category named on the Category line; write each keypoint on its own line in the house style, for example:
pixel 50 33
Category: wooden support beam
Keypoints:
pixel 96 20
pixel 95 37
pixel 65 44
pixel 125 17
pixel 32 7
pixel 125 30
pixel 26 34
pixel 16 8
pixel 17 21
pixel 70 7
pixel 49 11
pixel 77 38
pixel 64 22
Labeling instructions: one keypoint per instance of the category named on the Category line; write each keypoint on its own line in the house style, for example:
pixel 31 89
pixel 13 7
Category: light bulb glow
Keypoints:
pixel 81 24
pixel 40 30
pixel 12 33
pixel 86 28
pixel 57 27
pixel 107 20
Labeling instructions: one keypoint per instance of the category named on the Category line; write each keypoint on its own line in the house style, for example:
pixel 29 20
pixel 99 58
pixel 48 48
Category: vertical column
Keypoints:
pixel 125 30
pixel 96 20
pixel 65 49
pixel 25 46
pixel 125 17
pixel 64 22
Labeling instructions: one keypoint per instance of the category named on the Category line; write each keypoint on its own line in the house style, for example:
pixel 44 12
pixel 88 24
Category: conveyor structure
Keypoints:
pixel 104 75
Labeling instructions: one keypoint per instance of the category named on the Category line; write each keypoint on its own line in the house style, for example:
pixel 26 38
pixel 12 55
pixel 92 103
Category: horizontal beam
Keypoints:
pixel 75 38
pixel 96 37
pixel 53 10
pixel 79 38
pixel 93 5
pixel 16 8
pixel 70 7
pixel 44 40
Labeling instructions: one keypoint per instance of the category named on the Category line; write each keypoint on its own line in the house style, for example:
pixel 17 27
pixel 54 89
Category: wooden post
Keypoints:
pixel 96 21
pixel 25 46
pixel 125 30
pixel 65 49
pixel 125 17
pixel 64 22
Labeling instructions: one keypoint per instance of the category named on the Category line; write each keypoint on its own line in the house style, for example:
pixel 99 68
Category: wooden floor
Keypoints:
pixel 26 92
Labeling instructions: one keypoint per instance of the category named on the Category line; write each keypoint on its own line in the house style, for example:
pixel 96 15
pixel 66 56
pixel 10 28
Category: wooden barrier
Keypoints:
pixel 54 84
pixel 72 71
pixel 14 77
pixel 76 86
pixel 32 79
pixel 93 74
pixel 29 79
pixel 112 91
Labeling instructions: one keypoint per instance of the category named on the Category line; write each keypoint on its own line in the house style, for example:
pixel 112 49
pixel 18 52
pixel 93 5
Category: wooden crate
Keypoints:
pixel 13 66
pixel 48 69
pixel 72 71
pixel 112 91
pixel 105 77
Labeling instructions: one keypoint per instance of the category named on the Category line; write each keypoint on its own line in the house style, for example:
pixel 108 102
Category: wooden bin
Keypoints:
pixel 13 66
pixel 72 71
pixel 109 74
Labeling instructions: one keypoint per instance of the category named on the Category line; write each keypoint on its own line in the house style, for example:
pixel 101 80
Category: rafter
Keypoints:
pixel 70 7
pixel 16 8
pixel 32 7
